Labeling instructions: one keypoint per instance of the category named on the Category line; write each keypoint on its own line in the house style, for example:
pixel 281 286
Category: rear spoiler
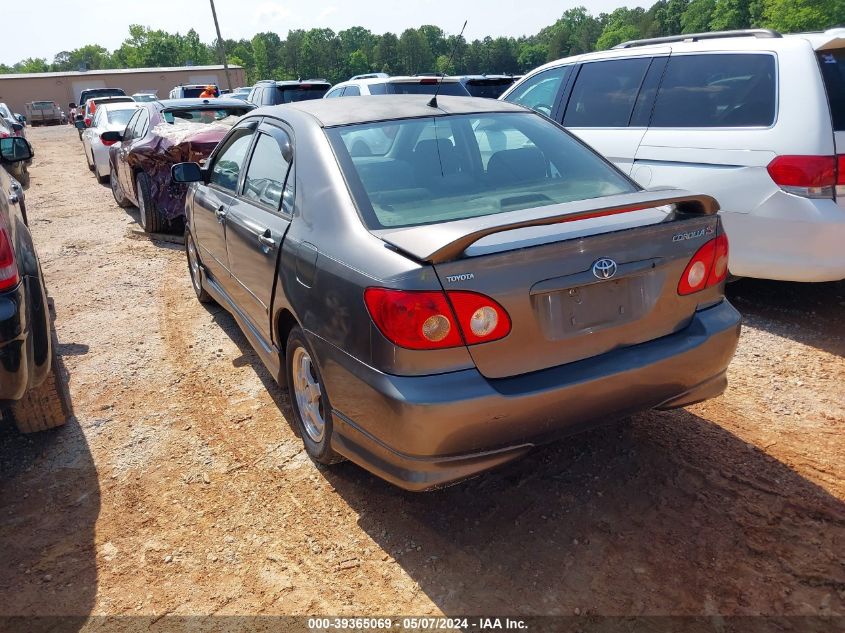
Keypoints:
pixel 438 243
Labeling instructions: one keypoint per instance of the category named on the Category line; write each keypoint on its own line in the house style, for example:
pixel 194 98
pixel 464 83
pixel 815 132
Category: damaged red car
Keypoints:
pixel 159 135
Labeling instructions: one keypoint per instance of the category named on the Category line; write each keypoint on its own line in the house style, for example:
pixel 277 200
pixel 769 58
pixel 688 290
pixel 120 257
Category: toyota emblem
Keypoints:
pixel 604 268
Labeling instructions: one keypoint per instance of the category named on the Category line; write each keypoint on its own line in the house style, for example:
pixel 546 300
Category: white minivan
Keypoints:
pixel 754 118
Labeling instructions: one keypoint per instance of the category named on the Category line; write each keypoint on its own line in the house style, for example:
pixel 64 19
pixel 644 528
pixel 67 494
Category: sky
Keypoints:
pixel 45 27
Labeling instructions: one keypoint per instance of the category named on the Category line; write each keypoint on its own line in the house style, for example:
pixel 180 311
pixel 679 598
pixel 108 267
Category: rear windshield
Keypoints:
pixel 420 171
pixel 717 90
pixel 203 115
pixel 489 88
pixel 452 88
pixel 291 94
pixel 105 92
pixel 832 64
pixel 120 117
pixel 193 93
pixel 43 105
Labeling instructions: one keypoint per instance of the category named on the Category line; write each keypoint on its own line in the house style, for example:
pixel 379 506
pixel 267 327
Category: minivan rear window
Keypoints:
pixel 832 65
pixel 305 92
pixel 717 90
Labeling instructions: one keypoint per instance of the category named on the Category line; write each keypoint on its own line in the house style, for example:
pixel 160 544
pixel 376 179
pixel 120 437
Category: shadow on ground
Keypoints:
pixel 664 514
pixel 811 314
pixel 50 500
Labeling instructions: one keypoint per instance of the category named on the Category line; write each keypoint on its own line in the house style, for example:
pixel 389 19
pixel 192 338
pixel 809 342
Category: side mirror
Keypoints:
pixel 16 127
pixel 71 106
pixel 15 149
pixel 21 118
pixel 186 172
pixel 112 136
pixel 80 125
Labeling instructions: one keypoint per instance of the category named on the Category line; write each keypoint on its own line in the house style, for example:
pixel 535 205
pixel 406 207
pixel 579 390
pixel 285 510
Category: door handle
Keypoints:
pixel 220 213
pixel 266 239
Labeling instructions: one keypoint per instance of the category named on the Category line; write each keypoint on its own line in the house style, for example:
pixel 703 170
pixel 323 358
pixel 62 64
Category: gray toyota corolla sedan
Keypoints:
pixel 444 285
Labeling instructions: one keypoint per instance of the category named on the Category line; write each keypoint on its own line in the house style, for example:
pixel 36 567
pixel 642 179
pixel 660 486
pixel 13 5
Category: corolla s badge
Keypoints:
pixel 604 268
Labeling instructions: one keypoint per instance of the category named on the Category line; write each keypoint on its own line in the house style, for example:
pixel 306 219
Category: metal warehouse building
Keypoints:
pixel 64 88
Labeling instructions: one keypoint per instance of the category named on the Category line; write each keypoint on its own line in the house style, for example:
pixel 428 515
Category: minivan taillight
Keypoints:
pixel 806 176
pixel 8 267
pixel 428 320
pixel 708 267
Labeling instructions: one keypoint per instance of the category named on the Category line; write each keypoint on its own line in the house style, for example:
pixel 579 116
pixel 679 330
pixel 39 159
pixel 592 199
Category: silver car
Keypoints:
pixel 475 283
pixel 108 117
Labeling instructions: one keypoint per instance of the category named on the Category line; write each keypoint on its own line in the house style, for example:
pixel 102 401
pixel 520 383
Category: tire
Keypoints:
pixel 119 198
pixel 316 436
pixel 195 269
pixel 103 180
pixel 47 406
pixel 148 214
pixel 90 161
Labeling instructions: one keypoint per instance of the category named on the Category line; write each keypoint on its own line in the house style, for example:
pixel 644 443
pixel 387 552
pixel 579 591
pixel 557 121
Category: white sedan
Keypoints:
pixel 108 118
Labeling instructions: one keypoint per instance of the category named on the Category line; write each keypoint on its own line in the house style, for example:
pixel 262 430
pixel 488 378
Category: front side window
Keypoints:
pixel 439 169
pixel 226 170
pixel 605 92
pixel 717 90
pixel 540 91
pixel 268 169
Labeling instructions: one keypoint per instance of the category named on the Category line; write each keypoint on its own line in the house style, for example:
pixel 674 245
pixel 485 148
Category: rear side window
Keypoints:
pixel 377 89
pixel 605 92
pixel 717 90
pixel 833 72
pixel 540 91
pixel 351 91
pixel 265 178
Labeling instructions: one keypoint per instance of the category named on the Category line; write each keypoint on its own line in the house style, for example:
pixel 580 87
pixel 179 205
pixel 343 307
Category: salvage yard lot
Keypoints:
pixel 180 488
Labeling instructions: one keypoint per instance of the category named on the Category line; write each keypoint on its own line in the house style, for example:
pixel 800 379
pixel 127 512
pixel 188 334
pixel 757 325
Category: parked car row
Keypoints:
pixel 443 283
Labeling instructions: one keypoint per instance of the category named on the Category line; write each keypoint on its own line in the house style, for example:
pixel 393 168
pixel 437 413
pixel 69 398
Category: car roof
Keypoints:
pixel 171 104
pixel 291 82
pixel 367 109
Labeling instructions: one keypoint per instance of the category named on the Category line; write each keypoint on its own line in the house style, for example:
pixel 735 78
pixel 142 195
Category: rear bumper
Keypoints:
pixel 427 431
pixel 788 239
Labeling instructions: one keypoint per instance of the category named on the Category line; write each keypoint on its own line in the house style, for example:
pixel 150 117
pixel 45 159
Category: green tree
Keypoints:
pixel 802 15
pixel 532 55
pixel 730 14
pixel 32 65
pixel 697 17
pixel 415 55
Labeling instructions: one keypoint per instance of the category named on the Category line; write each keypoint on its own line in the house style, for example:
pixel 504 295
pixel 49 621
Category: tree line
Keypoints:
pixel 337 56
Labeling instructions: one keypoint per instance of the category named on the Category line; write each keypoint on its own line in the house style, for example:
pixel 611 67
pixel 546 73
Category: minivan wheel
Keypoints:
pixel 195 270
pixel 148 214
pixel 309 402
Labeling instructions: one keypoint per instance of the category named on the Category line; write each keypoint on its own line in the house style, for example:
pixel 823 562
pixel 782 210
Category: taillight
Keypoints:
pixel 806 176
pixel 708 267
pixel 4 134
pixel 481 319
pixel 87 121
pixel 106 143
pixel 429 82
pixel 840 176
pixel 8 267
pixel 426 319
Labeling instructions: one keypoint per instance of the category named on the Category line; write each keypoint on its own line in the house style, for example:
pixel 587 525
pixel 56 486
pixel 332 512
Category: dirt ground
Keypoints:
pixel 180 487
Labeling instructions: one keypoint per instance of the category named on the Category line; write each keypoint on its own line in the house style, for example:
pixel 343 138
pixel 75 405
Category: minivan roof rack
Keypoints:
pixel 370 76
pixel 695 37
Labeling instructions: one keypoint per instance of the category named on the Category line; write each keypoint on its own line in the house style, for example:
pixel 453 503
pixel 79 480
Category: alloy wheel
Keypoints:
pixel 308 394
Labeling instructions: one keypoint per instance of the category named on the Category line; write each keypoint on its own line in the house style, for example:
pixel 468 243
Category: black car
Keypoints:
pixel 266 93
pixel 488 86
pixel 93 93
pixel 33 392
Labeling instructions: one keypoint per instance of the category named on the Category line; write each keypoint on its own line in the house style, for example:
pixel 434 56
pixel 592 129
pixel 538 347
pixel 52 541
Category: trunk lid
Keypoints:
pixel 541 273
